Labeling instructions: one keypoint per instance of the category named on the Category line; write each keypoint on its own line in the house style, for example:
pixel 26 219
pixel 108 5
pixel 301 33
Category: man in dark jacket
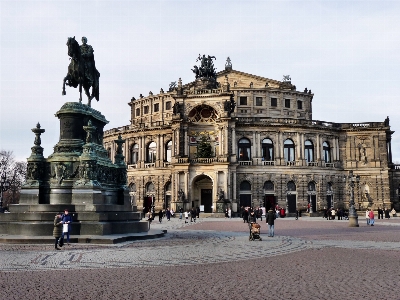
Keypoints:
pixel 270 219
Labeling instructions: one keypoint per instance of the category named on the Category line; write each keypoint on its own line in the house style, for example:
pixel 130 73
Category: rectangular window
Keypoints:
pixel 258 101
pixel 243 101
pixel 146 110
pixel 274 102
pixel 168 105
pixel 137 112
pixel 299 104
pixel 156 107
pixel 287 103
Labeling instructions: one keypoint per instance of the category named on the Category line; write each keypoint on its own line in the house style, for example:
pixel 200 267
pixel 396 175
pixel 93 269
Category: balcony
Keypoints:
pixel 292 163
pixel 268 163
pixel 149 165
pixel 329 165
pixel 245 163
pixel 132 166
pixel 312 164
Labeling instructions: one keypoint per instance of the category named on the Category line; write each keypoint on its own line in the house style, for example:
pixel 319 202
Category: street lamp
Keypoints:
pixel 4 186
pixel 353 217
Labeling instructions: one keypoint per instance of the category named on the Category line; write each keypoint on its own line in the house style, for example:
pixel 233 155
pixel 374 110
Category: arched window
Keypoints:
pixel 288 150
pixel 267 150
pixel 326 152
pixel 309 151
pixel 132 187
pixel 150 188
pixel 311 186
pixel 268 186
pixel 244 149
pixel 168 187
pixel 329 187
pixel 291 186
pixel 168 151
pixel 151 152
pixel 134 154
pixel 245 186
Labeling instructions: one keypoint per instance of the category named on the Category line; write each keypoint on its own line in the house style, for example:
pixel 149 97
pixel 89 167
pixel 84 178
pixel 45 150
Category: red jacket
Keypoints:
pixel 371 214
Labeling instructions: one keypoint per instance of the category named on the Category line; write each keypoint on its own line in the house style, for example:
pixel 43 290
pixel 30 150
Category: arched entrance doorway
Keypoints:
pixel 245 194
pixel 269 195
pixel 312 197
pixel 291 197
pixel 202 193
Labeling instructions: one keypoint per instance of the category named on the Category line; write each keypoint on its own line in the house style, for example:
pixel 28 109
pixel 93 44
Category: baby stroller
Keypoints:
pixel 254 231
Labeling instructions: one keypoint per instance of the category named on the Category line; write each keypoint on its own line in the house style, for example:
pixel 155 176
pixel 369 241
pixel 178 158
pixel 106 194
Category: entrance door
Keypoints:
pixel 245 200
pixel 167 201
pixel 314 203
pixel 206 200
pixel 291 203
pixel 269 202
pixel 329 201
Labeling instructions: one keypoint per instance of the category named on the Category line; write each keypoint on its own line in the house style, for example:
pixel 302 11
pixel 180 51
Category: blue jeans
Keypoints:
pixel 270 230
pixel 67 233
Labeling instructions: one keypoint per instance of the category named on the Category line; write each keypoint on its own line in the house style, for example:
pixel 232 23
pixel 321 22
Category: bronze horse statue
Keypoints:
pixel 82 70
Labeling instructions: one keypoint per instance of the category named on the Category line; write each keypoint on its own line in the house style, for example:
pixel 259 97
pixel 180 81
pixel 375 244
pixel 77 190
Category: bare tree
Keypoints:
pixel 15 172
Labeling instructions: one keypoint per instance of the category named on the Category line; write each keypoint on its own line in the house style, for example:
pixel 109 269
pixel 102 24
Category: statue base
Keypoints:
pixel 80 177
pixel 353 221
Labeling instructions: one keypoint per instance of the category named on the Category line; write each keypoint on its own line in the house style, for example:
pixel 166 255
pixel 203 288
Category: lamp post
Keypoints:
pixel 4 186
pixel 353 217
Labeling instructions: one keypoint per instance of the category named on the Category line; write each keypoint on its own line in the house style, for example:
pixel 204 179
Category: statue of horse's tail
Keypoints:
pixel 96 86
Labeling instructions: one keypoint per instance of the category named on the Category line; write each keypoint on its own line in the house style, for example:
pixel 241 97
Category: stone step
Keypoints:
pixel 54 208
pixel 85 239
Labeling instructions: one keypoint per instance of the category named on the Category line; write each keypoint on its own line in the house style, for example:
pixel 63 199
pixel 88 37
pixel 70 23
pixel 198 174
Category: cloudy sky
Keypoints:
pixel 346 52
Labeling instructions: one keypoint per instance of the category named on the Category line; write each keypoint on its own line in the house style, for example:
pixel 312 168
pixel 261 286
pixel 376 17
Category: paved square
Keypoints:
pixel 311 258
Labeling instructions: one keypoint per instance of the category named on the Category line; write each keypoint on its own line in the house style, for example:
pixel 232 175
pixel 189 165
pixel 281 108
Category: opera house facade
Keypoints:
pixel 232 139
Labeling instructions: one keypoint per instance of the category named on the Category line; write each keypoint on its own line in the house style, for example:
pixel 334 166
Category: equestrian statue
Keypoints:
pixel 82 69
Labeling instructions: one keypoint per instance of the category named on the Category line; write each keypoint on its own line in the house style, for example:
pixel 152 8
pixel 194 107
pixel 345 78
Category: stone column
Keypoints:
pixel 185 149
pixel 318 148
pixel 226 139
pixel 299 147
pixel 186 185
pixel 234 143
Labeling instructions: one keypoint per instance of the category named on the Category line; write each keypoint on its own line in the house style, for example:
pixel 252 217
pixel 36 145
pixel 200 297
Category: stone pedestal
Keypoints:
pixel 78 176
pixel 353 221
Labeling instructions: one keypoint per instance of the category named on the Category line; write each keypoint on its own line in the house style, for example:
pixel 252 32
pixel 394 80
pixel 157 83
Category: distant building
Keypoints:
pixel 250 141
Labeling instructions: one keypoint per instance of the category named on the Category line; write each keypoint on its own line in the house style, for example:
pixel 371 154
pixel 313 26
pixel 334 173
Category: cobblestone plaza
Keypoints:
pixel 311 258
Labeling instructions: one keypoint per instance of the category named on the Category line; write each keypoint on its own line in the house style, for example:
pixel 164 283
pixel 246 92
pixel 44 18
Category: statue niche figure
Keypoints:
pixel 181 195
pixel 82 69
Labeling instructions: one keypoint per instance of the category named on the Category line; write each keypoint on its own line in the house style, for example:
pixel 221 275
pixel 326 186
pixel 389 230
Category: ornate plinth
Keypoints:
pixel 78 176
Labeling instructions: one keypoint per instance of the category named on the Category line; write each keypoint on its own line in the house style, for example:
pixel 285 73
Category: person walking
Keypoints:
pixel 168 214
pixel 160 215
pixel 371 217
pixel 367 216
pixel 186 216
pixel 270 220
pixel 229 213
pixel 198 212
pixel 193 215
pixel 66 220
pixel 57 230
pixel 180 213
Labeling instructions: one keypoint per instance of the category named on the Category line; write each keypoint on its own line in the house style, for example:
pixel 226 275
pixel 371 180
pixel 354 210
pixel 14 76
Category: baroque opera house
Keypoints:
pixel 233 139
